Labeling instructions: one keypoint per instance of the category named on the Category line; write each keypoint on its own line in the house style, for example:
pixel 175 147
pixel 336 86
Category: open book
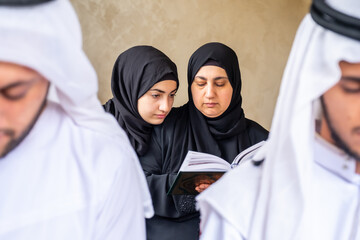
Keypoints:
pixel 204 168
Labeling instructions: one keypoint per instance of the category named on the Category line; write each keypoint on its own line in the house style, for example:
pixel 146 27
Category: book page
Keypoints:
pixel 246 154
pixel 197 161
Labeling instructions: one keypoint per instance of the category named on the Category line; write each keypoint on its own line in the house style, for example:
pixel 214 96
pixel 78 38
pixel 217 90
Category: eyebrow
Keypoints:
pixel 217 78
pixel 161 91
pixel 353 79
pixel 157 90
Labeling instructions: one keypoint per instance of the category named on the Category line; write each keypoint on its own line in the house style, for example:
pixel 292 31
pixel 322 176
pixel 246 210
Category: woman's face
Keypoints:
pixel 211 91
pixel 156 103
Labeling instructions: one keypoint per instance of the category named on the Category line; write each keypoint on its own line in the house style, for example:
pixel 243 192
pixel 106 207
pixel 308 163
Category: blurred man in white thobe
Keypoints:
pixel 302 184
pixel 67 171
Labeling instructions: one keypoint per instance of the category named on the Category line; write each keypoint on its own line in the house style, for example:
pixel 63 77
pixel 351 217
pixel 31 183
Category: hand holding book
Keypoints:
pixel 202 182
pixel 200 170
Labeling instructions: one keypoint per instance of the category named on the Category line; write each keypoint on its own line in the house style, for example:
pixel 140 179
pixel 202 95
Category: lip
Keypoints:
pixel 210 105
pixel 161 116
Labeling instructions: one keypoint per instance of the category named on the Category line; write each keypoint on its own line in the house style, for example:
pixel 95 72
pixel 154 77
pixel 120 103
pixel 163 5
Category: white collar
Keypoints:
pixel 335 160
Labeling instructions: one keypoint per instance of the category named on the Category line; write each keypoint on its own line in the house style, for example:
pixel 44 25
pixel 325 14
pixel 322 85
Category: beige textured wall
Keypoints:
pixel 260 31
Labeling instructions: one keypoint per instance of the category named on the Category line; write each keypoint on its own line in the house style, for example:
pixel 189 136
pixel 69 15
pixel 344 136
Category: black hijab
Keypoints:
pixel 231 122
pixel 135 71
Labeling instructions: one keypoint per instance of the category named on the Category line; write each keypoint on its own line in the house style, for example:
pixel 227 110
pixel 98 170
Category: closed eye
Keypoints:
pixel 200 83
pixel 351 90
pixel 16 91
pixel 350 85
pixel 221 81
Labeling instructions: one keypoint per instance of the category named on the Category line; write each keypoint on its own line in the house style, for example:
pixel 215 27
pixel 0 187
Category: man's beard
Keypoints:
pixel 14 142
pixel 335 136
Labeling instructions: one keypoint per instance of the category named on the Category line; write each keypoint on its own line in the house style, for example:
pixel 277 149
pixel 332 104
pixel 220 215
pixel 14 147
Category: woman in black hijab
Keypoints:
pixel 144 82
pixel 197 126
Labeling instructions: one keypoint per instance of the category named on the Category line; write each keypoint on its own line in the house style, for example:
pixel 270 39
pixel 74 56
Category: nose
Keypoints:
pixel 210 91
pixel 165 105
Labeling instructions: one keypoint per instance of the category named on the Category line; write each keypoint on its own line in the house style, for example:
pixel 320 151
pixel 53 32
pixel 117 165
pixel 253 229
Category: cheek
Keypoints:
pixel 146 106
pixel 141 106
pixel 20 114
pixel 342 106
pixel 226 96
pixel 15 114
pixel 348 113
pixel 171 102
pixel 195 93
pixel 343 110
pixel 151 108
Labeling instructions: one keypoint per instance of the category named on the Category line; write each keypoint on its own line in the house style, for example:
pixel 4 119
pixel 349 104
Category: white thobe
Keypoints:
pixel 227 206
pixel 69 182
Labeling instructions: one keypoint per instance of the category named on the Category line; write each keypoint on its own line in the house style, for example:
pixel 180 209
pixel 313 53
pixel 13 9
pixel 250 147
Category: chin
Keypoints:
pixel 211 115
pixel 156 122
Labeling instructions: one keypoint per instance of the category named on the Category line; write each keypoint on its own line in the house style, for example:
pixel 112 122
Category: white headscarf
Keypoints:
pixel 47 38
pixel 282 210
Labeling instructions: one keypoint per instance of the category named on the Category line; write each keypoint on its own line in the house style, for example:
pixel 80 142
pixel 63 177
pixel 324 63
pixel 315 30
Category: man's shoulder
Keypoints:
pixel 94 148
pixel 98 157
pixel 70 171
pixel 234 196
pixel 106 153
